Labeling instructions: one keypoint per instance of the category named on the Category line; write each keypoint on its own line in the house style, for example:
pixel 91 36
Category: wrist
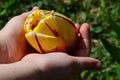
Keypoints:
pixel 22 71
pixel 31 71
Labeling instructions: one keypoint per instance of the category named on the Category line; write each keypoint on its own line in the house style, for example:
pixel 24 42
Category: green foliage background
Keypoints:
pixel 80 11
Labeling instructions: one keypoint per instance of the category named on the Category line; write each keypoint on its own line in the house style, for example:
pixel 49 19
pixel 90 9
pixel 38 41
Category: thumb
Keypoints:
pixel 25 15
pixel 86 63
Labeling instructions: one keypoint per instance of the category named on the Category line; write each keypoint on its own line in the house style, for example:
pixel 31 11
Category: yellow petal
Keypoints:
pixel 31 38
pixel 66 29
pixel 33 19
pixel 42 28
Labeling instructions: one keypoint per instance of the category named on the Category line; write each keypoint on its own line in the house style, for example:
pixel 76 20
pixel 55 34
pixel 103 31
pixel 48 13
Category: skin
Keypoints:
pixel 26 64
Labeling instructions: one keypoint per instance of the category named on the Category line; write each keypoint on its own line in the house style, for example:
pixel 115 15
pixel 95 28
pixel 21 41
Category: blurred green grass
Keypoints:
pixel 80 11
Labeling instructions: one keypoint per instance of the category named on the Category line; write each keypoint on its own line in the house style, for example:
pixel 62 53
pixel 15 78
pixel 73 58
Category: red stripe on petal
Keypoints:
pixel 53 31
pixel 39 45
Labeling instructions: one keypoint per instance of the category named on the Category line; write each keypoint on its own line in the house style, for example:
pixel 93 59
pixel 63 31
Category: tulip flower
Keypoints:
pixel 49 31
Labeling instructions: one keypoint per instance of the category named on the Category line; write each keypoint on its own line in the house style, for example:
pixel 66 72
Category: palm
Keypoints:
pixel 14 39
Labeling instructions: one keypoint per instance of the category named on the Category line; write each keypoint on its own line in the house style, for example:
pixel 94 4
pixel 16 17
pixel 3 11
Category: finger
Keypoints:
pixel 85 63
pixel 84 40
pixel 77 27
pixel 25 15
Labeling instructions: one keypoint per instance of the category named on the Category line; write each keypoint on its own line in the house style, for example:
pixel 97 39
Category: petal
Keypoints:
pixel 50 43
pixel 44 43
pixel 66 29
pixel 42 28
pixel 32 40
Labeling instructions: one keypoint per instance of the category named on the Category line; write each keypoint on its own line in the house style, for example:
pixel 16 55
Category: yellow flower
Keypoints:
pixel 49 31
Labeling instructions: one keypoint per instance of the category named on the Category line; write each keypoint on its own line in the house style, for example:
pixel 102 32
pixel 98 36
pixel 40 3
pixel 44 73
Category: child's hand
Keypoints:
pixel 13 45
pixel 59 66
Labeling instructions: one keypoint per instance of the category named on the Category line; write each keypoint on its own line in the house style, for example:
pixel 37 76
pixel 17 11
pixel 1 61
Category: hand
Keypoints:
pixel 58 66
pixel 53 66
pixel 13 45
pixel 61 66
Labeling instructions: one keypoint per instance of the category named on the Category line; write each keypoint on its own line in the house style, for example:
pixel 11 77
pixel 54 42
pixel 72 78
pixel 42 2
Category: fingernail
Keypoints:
pixel 98 65
pixel 35 8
